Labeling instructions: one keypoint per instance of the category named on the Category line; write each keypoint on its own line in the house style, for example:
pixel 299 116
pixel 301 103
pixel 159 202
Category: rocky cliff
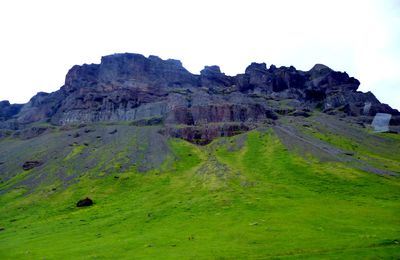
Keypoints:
pixel 131 87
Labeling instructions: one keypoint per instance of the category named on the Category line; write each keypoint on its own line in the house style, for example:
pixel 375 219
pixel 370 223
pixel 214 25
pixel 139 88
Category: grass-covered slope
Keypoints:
pixel 244 197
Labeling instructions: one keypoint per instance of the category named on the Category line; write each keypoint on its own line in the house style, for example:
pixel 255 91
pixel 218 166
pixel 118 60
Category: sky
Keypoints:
pixel 41 40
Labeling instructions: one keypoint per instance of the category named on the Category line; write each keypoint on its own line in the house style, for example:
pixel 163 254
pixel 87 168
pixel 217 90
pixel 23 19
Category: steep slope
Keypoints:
pixel 66 154
pixel 240 197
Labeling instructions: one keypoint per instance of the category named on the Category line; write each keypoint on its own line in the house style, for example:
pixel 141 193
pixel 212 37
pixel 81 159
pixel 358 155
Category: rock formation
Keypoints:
pixel 7 110
pixel 131 87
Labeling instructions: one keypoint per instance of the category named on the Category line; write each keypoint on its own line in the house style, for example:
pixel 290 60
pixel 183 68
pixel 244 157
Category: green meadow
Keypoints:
pixel 242 197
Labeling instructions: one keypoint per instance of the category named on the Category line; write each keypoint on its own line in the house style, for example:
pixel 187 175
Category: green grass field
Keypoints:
pixel 221 201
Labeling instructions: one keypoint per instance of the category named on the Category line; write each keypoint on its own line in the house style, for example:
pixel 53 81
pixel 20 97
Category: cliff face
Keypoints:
pixel 131 87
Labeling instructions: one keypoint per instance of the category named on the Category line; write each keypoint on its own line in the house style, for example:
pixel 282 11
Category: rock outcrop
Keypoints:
pixel 28 165
pixel 131 87
pixel 7 110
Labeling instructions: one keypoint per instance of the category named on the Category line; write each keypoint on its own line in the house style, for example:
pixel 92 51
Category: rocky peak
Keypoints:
pixel 81 76
pixel 122 67
pixel 210 71
pixel 136 67
pixel 321 68
pixel 39 98
pixel 212 76
pixel 8 110
pixel 128 67
pixel 4 104
pixel 272 68
pixel 255 68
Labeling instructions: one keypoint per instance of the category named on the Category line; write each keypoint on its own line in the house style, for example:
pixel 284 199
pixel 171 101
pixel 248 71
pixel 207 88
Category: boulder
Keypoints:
pixel 28 165
pixel 84 202
pixel 113 132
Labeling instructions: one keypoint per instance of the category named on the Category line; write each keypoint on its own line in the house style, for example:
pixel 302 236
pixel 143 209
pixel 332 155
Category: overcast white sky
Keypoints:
pixel 40 40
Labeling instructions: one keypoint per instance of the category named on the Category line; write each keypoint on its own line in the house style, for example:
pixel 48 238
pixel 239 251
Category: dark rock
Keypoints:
pixel 8 110
pixel 256 76
pixel 360 124
pixel 40 108
pixel 255 68
pixel 84 202
pixel 203 135
pixel 390 132
pixel 129 66
pixel 211 71
pixel 300 113
pixel 28 165
pixel 211 76
pixel 148 122
pixel 284 111
pixel 330 111
pixel 395 120
pixel 88 130
pixel 314 94
pixel 113 132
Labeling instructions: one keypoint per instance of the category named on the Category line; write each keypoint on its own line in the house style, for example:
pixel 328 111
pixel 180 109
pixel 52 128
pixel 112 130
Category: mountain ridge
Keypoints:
pixel 119 72
pixel 131 87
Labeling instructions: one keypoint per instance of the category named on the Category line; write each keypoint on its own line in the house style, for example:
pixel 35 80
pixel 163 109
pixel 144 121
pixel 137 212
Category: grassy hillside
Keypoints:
pixel 244 197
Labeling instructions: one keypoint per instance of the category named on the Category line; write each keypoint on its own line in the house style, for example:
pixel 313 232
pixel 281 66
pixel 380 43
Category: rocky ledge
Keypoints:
pixel 131 87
